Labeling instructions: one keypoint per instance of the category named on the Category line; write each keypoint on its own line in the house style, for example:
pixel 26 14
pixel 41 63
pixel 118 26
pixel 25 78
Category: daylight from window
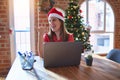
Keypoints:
pixel 99 15
pixel 22 24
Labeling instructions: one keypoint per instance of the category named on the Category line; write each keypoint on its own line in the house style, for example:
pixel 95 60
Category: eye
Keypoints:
pixel 55 19
pixel 49 21
pixel 52 20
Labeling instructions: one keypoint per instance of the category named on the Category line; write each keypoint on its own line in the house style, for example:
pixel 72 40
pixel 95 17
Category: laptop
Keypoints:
pixel 58 54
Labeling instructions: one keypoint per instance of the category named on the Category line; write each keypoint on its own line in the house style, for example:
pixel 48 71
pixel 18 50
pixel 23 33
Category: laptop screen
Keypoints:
pixel 58 54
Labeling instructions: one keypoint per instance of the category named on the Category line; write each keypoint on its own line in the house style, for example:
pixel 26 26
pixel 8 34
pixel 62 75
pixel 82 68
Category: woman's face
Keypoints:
pixel 54 24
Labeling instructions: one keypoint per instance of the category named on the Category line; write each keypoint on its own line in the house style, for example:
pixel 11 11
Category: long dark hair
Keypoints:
pixel 63 32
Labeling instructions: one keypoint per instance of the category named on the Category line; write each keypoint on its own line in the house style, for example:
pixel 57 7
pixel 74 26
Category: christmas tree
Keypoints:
pixel 75 24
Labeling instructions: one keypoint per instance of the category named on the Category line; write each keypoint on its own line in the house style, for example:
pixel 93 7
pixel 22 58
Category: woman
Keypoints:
pixel 57 31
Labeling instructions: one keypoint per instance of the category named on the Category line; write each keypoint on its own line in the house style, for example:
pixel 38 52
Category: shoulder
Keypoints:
pixel 46 37
pixel 70 34
pixel 70 37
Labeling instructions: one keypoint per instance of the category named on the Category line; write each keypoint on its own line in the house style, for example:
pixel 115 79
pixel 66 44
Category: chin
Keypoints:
pixel 53 30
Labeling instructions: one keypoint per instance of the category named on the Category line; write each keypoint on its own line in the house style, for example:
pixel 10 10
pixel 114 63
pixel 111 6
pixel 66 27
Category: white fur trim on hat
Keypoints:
pixel 56 15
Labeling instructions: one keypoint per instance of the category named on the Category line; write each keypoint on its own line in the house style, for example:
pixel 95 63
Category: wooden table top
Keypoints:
pixel 102 69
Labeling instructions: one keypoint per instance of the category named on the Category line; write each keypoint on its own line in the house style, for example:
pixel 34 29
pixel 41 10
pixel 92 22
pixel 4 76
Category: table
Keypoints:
pixel 102 69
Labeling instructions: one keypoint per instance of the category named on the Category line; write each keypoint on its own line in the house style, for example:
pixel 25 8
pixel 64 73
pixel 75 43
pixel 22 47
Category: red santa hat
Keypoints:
pixel 55 13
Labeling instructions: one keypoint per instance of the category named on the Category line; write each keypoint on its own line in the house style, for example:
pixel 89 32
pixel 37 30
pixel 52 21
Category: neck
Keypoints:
pixel 57 35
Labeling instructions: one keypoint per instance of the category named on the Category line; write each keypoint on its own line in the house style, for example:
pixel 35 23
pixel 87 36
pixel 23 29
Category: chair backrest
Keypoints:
pixel 114 55
pixel 40 31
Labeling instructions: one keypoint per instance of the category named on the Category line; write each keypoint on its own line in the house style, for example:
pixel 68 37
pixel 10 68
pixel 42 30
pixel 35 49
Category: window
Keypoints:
pixel 22 24
pixel 99 15
pixel 21 21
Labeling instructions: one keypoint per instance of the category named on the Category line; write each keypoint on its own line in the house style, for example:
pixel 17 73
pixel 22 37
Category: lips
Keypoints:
pixel 53 26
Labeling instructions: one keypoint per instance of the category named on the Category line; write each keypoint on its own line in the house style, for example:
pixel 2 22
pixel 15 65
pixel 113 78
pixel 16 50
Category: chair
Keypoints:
pixel 114 55
pixel 40 32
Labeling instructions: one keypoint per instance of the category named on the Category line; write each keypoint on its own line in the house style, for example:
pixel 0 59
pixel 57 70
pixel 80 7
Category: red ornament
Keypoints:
pixel 80 11
pixel 10 31
pixel 70 17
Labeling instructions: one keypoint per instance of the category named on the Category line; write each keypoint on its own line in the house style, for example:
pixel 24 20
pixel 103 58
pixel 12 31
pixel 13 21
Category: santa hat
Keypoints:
pixel 55 13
